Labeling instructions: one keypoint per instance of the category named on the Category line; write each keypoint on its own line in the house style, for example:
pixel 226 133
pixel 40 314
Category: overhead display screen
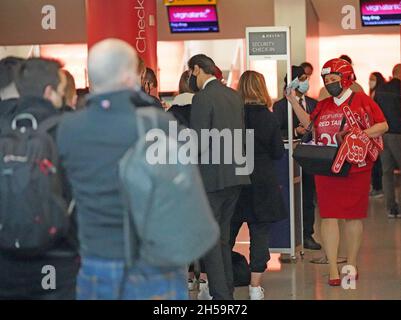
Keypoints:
pixel 380 12
pixel 201 18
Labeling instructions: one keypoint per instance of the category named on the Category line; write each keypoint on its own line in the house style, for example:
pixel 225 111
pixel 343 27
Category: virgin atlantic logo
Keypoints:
pixel 383 7
pixel 192 15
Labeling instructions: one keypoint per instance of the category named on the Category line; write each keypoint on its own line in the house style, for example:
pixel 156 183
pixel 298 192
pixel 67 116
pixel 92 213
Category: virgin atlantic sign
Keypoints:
pixel 380 12
pixel 193 18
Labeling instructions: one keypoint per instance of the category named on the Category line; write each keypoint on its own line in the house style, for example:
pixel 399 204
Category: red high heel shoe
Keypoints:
pixel 335 282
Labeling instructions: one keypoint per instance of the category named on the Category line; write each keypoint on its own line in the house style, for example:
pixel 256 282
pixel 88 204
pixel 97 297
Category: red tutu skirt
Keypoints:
pixel 344 197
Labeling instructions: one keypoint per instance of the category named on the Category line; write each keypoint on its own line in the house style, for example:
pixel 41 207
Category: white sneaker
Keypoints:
pixel 191 284
pixel 204 291
pixel 256 293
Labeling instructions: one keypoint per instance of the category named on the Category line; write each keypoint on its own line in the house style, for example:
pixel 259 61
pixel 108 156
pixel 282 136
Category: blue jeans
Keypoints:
pixel 106 279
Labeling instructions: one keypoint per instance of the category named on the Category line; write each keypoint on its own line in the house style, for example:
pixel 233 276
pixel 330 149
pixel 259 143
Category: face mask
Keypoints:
pixel 372 84
pixel 192 83
pixel 303 86
pixel 146 87
pixel 334 88
pixel 294 84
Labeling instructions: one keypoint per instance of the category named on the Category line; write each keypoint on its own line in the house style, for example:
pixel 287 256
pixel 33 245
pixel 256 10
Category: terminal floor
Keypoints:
pixel 379 266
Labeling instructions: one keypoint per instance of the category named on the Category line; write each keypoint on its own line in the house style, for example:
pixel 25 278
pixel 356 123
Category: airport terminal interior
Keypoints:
pixel 379 258
pixel 283 42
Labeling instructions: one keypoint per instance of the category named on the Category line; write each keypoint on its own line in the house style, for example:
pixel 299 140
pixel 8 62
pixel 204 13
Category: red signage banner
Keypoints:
pixel 133 21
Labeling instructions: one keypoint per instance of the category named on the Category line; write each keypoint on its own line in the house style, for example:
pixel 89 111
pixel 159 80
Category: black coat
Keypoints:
pixel 281 111
pixel 181 108
pixel 262 201
pixel 7 107
pixel 388 97
pixel 218 107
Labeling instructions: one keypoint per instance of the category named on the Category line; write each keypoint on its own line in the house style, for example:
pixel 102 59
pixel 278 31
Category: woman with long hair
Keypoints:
pixel 376 80
pixel 260 203
pixel 181 105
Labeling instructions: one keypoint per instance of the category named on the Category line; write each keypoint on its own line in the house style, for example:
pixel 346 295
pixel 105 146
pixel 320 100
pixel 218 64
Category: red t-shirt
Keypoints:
pixel 329 118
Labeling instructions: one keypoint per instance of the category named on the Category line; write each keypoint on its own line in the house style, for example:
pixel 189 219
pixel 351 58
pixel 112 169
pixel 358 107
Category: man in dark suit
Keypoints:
pixel 388 97
pixel 216 106
pixel 301 85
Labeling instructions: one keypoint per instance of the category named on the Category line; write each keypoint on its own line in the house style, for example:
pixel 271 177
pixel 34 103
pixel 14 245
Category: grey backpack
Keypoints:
pixel 168 219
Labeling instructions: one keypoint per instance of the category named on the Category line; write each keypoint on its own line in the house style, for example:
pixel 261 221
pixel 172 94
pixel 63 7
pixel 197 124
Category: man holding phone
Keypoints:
pixel 300 84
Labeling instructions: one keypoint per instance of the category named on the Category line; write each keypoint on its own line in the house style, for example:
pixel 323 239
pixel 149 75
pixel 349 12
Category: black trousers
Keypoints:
pixel 259 243
pixel 377 173
pixel 308 191
pixel 217 261
pixel 201 267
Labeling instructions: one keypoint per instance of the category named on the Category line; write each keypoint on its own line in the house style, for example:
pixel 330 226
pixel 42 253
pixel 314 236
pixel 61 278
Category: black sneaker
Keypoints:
pixel 311 244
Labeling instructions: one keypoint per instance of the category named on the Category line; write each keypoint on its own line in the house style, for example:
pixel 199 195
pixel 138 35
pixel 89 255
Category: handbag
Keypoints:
pixel 241 270
pixel 318 160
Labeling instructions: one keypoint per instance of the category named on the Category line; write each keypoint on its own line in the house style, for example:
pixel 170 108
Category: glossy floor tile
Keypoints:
pixel 379 266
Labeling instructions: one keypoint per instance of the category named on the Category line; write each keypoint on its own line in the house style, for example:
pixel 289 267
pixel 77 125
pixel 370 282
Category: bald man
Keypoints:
pixel 388 98
pixel 91 143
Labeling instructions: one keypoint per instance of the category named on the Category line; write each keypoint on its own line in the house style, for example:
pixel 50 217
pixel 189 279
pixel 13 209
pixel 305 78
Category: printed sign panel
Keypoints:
pixel 267 43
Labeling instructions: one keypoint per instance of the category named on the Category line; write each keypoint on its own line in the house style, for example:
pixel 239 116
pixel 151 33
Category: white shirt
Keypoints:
pixel 208 80
pixel 183 99
pixel 346 95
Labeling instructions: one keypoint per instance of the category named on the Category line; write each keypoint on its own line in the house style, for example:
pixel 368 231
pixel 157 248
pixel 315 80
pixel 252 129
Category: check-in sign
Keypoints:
pixel 267 43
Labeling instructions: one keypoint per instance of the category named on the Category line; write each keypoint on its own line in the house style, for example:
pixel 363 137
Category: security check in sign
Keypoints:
pixel 267 42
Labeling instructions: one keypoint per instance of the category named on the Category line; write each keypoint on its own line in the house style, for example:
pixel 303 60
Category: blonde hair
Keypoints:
pixel 183 85
pixel 252 88
pixel 70 89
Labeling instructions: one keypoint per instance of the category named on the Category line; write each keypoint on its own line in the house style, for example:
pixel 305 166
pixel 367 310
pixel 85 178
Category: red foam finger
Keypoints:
pixel 340 158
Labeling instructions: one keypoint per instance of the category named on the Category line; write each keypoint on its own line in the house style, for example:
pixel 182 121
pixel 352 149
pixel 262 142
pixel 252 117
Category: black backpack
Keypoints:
pixel 241 270
pixel 33 214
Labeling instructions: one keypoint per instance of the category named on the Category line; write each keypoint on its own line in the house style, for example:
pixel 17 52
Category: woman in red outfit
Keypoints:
pixel 342 197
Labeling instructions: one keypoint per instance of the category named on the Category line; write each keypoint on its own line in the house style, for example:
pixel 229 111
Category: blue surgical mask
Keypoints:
pixel 303 86
pixel 294 84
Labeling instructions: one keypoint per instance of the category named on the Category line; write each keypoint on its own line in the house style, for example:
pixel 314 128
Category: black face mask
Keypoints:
pixel 334 88
pixel 146 87
pixel 192 83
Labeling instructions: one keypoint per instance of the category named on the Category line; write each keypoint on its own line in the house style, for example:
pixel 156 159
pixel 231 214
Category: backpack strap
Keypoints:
pixel 144 115
pixel 49 123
